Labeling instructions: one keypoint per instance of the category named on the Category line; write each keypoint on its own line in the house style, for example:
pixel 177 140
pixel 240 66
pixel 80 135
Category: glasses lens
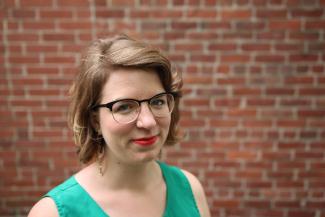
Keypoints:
pixel 162 105
pixel 125 111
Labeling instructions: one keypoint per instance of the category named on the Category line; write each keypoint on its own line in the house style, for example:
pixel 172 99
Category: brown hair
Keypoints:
pixel 101 57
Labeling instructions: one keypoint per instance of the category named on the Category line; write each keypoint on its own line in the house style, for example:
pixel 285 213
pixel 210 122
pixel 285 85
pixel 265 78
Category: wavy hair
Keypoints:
pixel 102 57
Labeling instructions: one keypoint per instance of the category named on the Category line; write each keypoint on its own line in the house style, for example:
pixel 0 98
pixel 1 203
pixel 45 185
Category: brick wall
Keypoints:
pixel 253 111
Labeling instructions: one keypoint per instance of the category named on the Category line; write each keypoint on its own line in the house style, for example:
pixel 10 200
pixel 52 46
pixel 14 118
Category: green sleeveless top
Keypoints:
pixel 72 200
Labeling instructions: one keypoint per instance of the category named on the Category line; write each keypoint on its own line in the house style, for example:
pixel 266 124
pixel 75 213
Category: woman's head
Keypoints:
pixel 101 59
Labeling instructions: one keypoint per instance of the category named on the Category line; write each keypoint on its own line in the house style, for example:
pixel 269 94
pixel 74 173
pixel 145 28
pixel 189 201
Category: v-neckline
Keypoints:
pixel 102 211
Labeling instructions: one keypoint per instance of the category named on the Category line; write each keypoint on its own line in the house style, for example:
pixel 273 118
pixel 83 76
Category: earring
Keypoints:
pixel 100 159
pixel 100 167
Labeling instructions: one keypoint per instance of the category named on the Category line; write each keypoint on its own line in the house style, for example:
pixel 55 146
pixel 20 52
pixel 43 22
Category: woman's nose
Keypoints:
pixel 146 119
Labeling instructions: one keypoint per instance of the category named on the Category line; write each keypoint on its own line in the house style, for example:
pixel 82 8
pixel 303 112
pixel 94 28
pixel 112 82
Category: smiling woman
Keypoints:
pixel 124 109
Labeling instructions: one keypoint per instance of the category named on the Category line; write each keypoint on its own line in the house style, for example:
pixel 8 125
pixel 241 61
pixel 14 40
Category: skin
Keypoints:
pixel 121 149
pixel 134 179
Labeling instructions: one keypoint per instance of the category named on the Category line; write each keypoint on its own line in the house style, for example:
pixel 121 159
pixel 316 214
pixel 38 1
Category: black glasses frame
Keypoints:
pixel 110 104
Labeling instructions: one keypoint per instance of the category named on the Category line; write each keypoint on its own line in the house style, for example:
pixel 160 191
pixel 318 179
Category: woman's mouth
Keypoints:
pixel 145 142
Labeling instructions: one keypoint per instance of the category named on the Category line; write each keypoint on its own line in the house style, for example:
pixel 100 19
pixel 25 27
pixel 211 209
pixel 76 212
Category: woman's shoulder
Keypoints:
pixel 45 205
pixel 199 193
pixel 48 202
pixel 193 181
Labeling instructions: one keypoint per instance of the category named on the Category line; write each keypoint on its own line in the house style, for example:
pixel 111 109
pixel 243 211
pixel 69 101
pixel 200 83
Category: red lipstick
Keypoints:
pixel 146 141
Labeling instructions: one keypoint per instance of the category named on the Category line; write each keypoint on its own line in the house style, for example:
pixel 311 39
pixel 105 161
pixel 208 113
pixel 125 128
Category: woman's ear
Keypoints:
pixel 95 122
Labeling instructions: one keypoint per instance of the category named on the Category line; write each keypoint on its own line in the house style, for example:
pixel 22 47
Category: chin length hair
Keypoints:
pixel 102 57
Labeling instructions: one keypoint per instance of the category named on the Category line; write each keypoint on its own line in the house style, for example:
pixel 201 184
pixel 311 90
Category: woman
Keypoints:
pixel 124 109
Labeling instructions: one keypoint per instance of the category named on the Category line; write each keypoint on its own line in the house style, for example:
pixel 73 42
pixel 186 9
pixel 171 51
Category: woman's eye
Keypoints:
pixel 124 107
pixel 158 102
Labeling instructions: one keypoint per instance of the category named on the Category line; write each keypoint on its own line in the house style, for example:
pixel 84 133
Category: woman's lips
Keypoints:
pixel 146 141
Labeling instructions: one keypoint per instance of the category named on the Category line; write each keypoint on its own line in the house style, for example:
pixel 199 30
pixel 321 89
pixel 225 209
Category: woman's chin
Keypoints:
pixel 146 157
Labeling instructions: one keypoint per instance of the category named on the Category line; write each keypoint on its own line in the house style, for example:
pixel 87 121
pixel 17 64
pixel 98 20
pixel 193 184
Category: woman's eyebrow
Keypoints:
pixel 130 98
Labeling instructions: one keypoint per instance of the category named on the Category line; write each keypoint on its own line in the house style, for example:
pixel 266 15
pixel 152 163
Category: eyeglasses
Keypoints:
pixel 125 111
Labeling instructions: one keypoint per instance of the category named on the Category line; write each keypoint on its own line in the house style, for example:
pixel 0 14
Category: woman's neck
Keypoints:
pixel 118 176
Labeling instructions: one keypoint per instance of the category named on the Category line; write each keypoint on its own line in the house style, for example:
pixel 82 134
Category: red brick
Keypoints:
pixel 247 91
pixel 249 175
pixel 113 13
pixel 20 13
pixel 301 213
pixel 256 47
pixel 124 3
pixel 269 58
pixel 202 36
pixel 269 213
pixel 304 35
pixel 260 102
pixel 75 25
pixel 300 58
pixel 55 14
pixel 317 91
pixel 258 204
pixel 205 14
pixel 78 3
pixel 252 184
pixel 169 14
pixel 188 47
pixel 58 37
pixel 315 24
pixel 140 13
pixel 288 47
pixel 227 102
pixel 273 35
pixel 36 3
pixel 231 81
pixel 257 123
pixel 235 58
pixel 178 25
pixel 309 155
pixel 223 123
pixel 287 204
pixel 236 14
pixel 23 37
pixel 312 13
pixel 299 80
pixel 315 204
pixel 24 60
pixel 192 123
pixel 203 58
pixel 252 110
pixel 271 14
pixel 250 26
pixel 223 47
pixel 59 59
pixel 196 102
pixel 279 91
pixel 285 25
pixel 38 25
pixel 311 113
pixel 291 123
pixel 226 203
pixel 42 49
pixel 244 113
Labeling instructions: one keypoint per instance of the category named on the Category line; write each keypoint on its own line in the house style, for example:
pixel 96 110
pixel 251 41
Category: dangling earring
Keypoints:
pixel 101 152
pixel 100 159
pixel 160 154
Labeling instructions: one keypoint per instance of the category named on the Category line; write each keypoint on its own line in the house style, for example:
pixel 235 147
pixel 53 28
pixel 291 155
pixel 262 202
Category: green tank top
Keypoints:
pixel 72 200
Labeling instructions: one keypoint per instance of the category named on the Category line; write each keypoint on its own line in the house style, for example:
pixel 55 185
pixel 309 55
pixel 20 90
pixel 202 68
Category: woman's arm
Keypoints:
pixel 44 207
pixel 199 194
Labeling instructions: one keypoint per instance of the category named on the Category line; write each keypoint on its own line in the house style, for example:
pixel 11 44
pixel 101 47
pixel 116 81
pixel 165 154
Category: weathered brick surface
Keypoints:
pixel 253 109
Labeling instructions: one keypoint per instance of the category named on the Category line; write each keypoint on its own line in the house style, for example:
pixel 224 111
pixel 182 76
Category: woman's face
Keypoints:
pixel 141 140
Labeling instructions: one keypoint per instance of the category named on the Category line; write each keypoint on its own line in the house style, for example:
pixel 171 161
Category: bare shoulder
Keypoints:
pixel 45 205
pixel 199 194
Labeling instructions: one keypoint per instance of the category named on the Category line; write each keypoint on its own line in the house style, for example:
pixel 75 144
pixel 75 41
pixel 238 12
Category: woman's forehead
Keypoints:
pixel 131 83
